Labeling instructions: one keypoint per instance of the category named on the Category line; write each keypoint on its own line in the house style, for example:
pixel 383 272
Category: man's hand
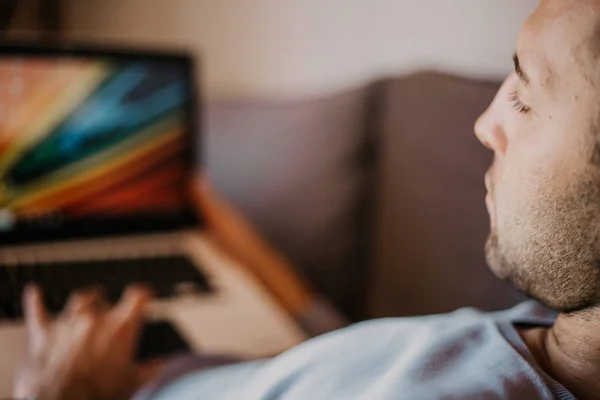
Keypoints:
pixel 84 354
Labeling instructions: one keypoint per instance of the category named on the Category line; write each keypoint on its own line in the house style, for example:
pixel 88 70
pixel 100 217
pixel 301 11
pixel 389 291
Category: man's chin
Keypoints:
pixel 505 271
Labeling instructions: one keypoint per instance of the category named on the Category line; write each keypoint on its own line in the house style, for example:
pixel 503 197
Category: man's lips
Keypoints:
pixel 488 195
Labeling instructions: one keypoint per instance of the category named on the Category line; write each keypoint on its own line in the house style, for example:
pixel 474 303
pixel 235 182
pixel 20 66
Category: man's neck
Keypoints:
pixel 569 352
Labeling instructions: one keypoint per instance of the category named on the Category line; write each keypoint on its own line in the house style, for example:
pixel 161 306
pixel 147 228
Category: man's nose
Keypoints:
pixel 491 133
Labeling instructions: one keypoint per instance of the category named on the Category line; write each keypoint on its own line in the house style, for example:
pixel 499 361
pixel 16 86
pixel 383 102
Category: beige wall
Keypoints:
pixel 282 47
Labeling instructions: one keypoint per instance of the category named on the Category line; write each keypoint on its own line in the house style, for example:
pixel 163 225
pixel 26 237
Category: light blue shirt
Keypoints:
pixel 462 355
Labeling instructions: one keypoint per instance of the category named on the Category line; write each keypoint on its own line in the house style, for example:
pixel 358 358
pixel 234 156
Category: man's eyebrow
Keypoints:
pixel 520 73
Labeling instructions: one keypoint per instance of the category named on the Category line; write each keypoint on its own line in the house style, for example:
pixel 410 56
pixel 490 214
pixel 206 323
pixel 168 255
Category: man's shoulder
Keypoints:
pixel 425 334
pixel 424 357
pixel 463 354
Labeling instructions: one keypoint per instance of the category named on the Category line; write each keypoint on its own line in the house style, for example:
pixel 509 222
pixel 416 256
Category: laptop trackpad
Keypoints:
pixel 160 339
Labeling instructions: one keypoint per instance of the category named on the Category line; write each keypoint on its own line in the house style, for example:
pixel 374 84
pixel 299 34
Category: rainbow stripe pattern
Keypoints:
pixel 91 138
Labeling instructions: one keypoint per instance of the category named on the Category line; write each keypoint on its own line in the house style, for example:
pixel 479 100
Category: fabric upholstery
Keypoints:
pixel 298 170
pixel 431 221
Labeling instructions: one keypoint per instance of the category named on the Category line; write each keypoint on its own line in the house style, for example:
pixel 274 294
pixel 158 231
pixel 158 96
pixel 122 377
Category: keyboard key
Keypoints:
pixel 57 280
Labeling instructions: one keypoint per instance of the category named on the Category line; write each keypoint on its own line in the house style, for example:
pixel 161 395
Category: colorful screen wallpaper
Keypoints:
pixel 90 138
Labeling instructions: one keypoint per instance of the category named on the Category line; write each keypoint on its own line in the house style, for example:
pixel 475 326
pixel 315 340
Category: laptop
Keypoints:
pixel 97 149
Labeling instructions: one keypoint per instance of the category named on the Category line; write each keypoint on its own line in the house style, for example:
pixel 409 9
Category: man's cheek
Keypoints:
pixel 508 192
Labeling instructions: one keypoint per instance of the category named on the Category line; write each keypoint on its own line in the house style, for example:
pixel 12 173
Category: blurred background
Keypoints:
pixel 275 47
pixel 342 129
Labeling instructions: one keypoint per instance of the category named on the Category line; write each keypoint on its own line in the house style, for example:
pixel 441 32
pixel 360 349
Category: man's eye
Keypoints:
pixel 517 104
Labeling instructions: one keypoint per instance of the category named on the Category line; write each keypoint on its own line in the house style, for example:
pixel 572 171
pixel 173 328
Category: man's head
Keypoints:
pixel 544 185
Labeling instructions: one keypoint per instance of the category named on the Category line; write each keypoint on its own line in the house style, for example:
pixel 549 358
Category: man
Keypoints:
pixel 544 204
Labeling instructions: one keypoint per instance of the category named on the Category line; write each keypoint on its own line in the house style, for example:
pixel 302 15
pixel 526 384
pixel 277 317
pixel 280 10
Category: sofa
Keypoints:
pixel 375 194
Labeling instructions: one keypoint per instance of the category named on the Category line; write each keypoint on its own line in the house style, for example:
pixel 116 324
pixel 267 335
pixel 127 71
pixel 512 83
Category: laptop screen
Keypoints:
pixel 93 143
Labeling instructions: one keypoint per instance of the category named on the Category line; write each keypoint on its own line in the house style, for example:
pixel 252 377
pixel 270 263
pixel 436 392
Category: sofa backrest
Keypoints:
pixel 431 222
pixel 299 171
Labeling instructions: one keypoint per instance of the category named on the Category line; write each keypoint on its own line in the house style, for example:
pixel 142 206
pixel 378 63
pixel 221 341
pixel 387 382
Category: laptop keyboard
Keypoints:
pixel 166 275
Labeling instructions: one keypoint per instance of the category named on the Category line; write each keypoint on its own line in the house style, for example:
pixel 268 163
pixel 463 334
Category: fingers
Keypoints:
pixel 85 301
pixel 128 314
pixel 36 315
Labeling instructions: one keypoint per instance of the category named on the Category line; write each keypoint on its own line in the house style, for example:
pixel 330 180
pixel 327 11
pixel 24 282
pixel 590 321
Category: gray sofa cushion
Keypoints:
pixel 431 217
pixel 298 170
